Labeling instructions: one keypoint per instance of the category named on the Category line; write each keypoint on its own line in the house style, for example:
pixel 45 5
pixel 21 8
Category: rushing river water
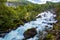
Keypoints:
pixel 43 19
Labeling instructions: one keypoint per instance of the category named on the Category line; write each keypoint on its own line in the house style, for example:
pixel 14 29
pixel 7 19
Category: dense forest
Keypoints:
pixel 13 17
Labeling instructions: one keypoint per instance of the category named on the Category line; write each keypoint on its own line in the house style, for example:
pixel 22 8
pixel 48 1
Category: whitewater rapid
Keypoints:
pixel 43 19
pixel 43 1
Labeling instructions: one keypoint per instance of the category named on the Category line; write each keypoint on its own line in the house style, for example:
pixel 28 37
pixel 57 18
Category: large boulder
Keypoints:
pixel 30 33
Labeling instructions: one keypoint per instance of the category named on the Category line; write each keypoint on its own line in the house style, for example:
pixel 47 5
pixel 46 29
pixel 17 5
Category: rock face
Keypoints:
pixel 30 33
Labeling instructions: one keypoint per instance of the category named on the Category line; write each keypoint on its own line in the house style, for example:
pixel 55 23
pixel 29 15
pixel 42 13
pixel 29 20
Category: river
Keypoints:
pixel 43 19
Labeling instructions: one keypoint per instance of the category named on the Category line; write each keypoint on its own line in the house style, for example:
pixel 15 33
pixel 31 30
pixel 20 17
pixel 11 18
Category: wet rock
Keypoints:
pixel 2 35
pixel 30 33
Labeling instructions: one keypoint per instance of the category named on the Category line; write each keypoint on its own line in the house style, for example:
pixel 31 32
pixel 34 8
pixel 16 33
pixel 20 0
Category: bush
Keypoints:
pixel 7 18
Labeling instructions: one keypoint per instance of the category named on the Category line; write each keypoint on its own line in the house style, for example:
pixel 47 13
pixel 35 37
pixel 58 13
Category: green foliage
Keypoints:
pixel 7 16
pixel 3 0
pixel 50 37
pixel 11 18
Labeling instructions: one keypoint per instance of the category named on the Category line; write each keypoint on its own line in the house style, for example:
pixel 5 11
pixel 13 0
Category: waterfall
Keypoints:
pixel 43 19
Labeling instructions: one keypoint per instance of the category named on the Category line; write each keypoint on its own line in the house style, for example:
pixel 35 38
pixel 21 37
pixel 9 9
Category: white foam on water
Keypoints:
pixel 45 19
pixel 43 1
